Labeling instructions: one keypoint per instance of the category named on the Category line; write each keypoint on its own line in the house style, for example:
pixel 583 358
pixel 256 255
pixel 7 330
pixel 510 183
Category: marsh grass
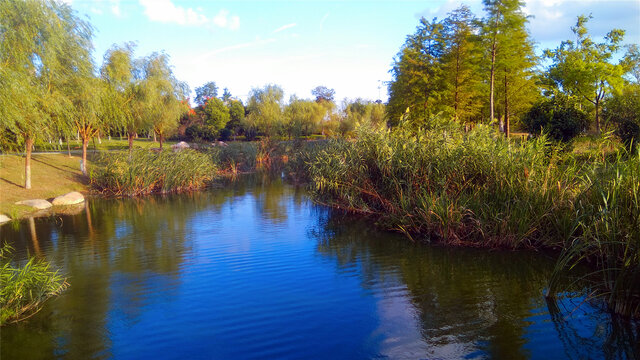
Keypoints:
pixel 24 289
pixel 478 189
pixel 144 172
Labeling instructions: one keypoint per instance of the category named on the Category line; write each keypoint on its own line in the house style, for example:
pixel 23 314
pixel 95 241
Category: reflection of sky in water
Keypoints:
pixel 256 271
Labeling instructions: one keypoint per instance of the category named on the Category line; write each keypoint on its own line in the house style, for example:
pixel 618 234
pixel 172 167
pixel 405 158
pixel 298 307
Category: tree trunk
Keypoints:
pixel 507 125
pixel 68 148
pixel 597 114
pixel 154 137
pixel 494 46
pixel 161 139
pixel 130 139
pixel 83 167
pixel 28 143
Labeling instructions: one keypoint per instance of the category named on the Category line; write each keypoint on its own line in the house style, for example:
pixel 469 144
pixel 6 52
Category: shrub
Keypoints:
pixel 199 133
pixel 624 110
pixel 558 117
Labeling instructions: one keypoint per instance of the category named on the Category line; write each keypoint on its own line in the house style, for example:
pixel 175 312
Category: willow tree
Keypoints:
pixel 42 43
pixel 121 98
pixel 163 97
pixel 265 110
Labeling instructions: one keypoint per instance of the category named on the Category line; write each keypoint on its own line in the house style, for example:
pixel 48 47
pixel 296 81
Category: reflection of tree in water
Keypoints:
pixel 111 254
pixel 477 299
pixel 615 337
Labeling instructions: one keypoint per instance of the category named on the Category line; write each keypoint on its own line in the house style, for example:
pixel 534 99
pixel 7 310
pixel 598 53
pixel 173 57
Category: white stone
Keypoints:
pixel 179 146
pixel 4 218
pixel 39 204
pixel 69 199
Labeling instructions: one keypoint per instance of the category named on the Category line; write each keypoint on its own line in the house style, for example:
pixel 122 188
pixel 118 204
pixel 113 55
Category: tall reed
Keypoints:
pixel 145 172
pixel 24 289
pixel 477 188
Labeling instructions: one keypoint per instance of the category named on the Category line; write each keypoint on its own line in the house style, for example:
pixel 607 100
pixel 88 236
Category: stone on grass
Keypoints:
pixel 69 199
pixel 179 146
pixel 4 218
pixel 39 204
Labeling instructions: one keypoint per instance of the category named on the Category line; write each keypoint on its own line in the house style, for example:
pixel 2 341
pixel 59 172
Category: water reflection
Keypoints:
pixel 252 269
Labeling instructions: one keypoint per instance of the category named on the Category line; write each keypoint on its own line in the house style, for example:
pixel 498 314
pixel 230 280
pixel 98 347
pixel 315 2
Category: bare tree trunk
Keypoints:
pixel 68 148
pixel 597 113
pixel 154 136
pixel 161 140
pixel 85 143
pixel 494 46
pixel 28 143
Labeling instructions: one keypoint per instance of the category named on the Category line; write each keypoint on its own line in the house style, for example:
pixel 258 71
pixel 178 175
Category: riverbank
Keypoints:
pixel 51 175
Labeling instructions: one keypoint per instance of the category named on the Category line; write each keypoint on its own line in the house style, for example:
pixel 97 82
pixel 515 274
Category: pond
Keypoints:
pixel 254 269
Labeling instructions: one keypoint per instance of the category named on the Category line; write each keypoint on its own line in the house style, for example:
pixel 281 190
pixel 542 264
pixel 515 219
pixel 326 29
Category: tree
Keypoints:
pixel 217 114
pixel 236 116
pixel 323 94
pixel 584 69
pixel 417 85
pixel 265 110
pixel 302 117
pixel 623 109
pixel 226 95
pixel 43 44
pixel 122 94
pixel 205 92
pixel 461 64
pixel 164 97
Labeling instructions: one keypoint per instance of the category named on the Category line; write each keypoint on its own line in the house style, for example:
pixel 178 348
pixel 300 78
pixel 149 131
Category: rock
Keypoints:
pixel 39 204
pixel 68 199
pixel 219 143
pixel 4 218
pixel 74 209
pixel 179 146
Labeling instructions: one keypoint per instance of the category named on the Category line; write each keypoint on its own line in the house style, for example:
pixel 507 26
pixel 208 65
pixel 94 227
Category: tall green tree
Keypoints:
pixel 585 69
pixel 265 110
pixel 216 114
pixel 236 116
pixel 416 87
pixel 164 96
pixel 461 60
pixel 508 50
pixel 302 117
pixel 122 94
pixel 43 47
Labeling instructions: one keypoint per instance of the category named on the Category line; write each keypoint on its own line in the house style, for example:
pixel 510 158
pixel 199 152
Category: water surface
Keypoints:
pixel 254 270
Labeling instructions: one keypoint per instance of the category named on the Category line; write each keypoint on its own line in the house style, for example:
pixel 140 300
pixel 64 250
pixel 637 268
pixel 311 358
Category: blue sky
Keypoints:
pixel 345 45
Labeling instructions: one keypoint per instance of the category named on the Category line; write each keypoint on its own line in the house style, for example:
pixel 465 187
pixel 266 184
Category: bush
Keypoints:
pixel 558 117
pixel 145 172
pixel 624 110
pixel 199 133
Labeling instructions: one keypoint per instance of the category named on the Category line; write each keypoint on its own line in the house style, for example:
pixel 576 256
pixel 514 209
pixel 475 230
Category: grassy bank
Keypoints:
pixel 478 189
pixel 51 175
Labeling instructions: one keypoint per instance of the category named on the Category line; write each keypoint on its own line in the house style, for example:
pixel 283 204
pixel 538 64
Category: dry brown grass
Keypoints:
pixel 51 175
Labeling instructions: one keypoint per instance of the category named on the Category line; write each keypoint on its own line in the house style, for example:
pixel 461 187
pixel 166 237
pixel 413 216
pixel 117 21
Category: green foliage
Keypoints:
pixel 265 111
pixel 623 109
pixel 144 172
pixel 236 116
pixel 558 117
pixel 323 94
pixel 302 117
pixel 583 68
pixel 216 114
pixel 24 289
pixel 199 133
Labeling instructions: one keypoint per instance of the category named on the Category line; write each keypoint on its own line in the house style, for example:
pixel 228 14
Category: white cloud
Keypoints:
pixel 167 12
pixel 221 50
pixel 284 27
pixel 223 20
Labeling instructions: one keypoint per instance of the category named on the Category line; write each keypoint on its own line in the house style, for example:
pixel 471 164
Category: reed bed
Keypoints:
pixel 143 172
pixel 479 189
pixel 24 289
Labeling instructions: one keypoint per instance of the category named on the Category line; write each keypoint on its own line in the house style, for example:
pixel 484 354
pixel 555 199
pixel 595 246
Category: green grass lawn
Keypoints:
pixel 51 175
